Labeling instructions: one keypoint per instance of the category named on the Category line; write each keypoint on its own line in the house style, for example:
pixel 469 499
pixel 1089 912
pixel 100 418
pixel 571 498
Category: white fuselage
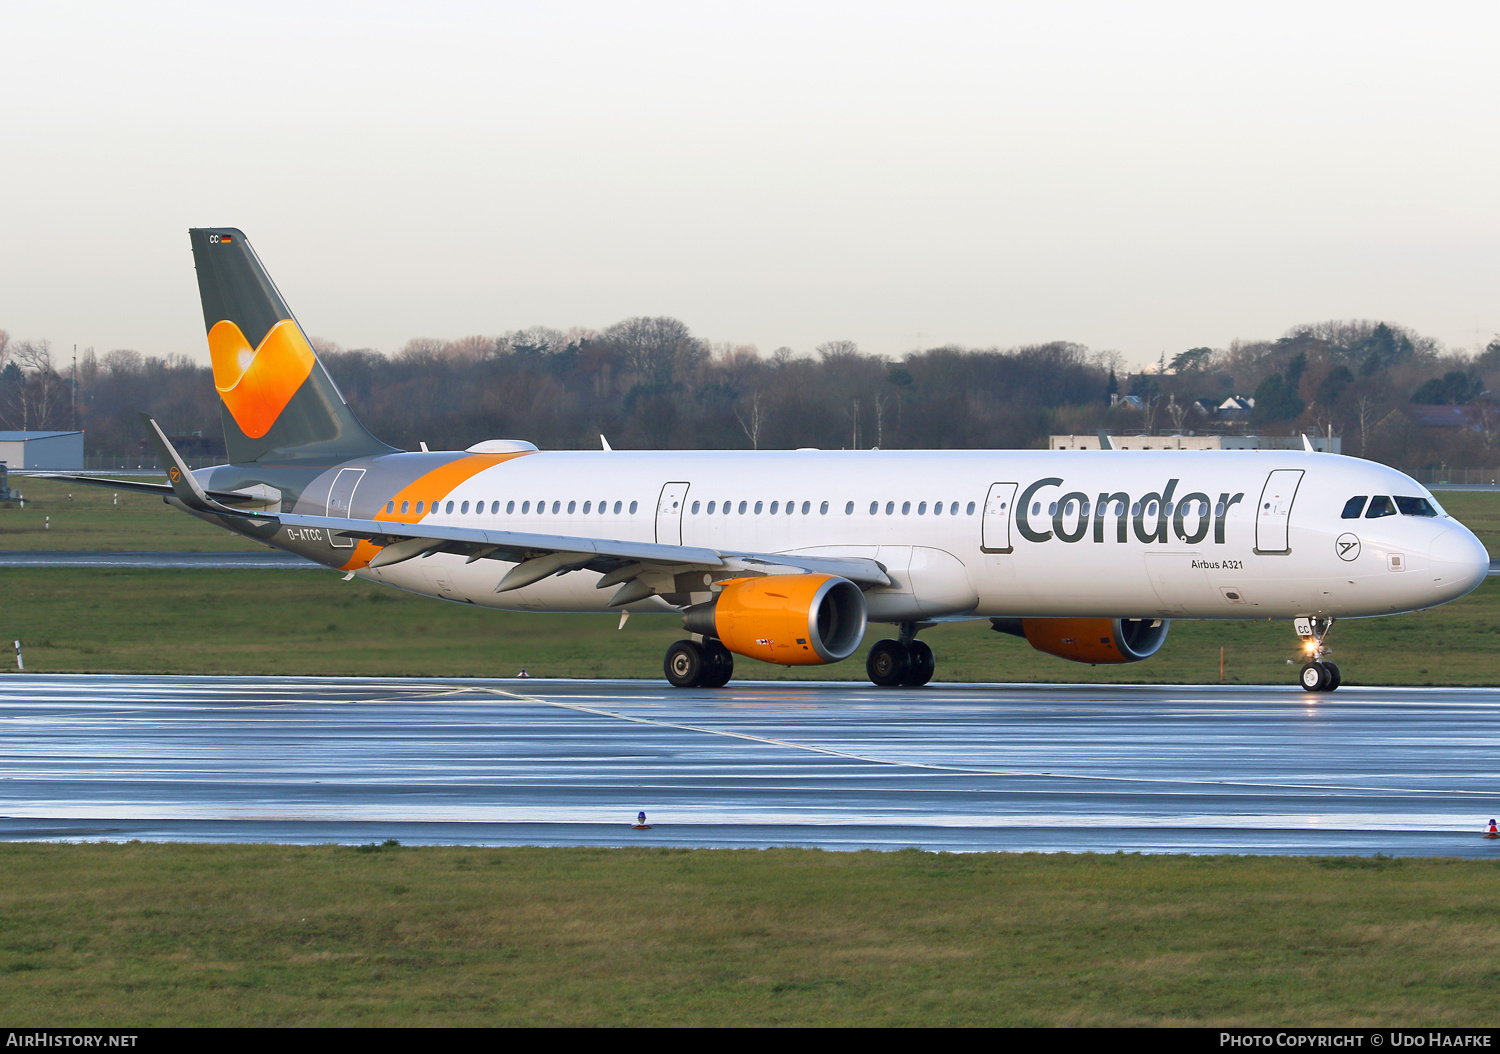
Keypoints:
pixel 1245 535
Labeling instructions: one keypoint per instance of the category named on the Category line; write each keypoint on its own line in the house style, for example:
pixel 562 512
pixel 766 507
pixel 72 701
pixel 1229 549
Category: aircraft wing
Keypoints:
pixel 640 568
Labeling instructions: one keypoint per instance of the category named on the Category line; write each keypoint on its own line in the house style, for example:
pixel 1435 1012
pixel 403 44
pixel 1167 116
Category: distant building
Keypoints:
pixel 1179 442
pixel 44 450
pixel 1235 408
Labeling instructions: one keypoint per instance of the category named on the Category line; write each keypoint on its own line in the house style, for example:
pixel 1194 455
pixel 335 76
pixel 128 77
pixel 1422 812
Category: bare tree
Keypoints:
pixel 1176 411
pixel 41 388
pixel 1367 406
pixel 753 425
pixel 1148 411
pixel 837 349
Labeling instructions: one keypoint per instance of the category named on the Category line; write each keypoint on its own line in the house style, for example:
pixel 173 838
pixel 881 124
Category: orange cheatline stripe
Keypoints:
pixel 256 385
pixel 430 487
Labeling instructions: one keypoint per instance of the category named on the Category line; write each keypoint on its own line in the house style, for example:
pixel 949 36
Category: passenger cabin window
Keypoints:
pixel 406 506
pixel 969 510
pixel 1354 506
pixel 695 508
pixel 1380 505
pixel 419 508
pixel 774 506
pixel 510 507
pixel 633 506
pixel 1415 506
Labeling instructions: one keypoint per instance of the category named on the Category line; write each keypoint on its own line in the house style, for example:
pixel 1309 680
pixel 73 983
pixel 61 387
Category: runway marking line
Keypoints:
pixel 462 689
pixel 790 744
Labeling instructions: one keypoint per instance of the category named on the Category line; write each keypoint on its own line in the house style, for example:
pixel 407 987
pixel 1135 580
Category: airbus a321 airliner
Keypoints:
pixel 786 556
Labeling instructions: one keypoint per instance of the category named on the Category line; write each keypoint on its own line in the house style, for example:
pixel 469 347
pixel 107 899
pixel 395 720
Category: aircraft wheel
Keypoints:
pixel 1314 677
pixel 923 665
pixel 718 667
pixel 685 664
pixel 1334 677
pixel 889 663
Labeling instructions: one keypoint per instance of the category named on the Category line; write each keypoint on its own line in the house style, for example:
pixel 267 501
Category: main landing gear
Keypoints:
pixel 907 661
pixel 692 665
pixel 1317 674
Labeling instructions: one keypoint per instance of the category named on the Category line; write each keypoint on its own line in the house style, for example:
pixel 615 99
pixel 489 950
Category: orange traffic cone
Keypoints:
pixel 1494 832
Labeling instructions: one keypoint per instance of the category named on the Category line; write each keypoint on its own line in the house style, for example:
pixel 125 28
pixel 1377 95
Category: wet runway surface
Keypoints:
pixel 841 766
pixel 144 559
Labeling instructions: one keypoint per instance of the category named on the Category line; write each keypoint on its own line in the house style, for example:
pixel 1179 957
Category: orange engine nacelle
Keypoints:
pixel 1096 641
pixel 791 620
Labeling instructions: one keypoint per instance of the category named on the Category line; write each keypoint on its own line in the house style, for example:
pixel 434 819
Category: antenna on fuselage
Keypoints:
pixel 1104 443
pixel 604 443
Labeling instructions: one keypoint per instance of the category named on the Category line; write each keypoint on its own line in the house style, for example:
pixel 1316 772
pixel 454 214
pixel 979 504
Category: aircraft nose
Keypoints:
pixel 1459 561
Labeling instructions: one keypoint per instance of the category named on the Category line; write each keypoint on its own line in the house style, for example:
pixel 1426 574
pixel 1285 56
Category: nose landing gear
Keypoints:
pixel 1317 674
pixel 907 661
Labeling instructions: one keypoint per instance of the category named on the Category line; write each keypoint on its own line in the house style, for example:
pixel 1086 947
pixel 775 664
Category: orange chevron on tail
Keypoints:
pixel 257 384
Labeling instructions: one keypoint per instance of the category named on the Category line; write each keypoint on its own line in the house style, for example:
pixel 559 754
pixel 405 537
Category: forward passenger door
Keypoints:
pixel 1273 515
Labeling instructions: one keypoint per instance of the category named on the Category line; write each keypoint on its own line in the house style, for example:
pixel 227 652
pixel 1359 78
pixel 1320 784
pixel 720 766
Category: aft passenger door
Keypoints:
pixel 341 500
pixel 669 514
pixel 995 536
pixel 1273 515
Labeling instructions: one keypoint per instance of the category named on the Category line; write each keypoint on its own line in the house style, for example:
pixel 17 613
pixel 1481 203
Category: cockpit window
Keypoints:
pixel 1354 506
pixel 1380 505
pixel 1415 507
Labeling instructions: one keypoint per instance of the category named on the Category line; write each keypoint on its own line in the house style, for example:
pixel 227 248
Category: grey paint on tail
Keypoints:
pixel 316 424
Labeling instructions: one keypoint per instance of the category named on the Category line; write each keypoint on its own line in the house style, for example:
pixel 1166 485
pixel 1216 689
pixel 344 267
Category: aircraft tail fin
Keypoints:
pixel 276 399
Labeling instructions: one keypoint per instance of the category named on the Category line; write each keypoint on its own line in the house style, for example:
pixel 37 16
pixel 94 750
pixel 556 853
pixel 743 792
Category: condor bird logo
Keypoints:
pixel 257 384
pixel 1347 546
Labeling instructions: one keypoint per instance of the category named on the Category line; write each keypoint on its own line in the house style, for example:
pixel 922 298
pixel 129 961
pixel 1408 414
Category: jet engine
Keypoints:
pixel 1096 641
pixel 791 620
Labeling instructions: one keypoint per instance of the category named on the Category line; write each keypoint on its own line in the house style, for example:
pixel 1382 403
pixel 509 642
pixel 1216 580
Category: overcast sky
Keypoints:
pixel 1144 177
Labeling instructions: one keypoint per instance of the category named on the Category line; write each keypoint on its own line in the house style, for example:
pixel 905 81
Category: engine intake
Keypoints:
pixel 791 620
pixel 1096 641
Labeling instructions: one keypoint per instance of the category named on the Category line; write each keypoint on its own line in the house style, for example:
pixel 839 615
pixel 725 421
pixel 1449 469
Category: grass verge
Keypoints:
pixel 256 935
pixel 312 623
